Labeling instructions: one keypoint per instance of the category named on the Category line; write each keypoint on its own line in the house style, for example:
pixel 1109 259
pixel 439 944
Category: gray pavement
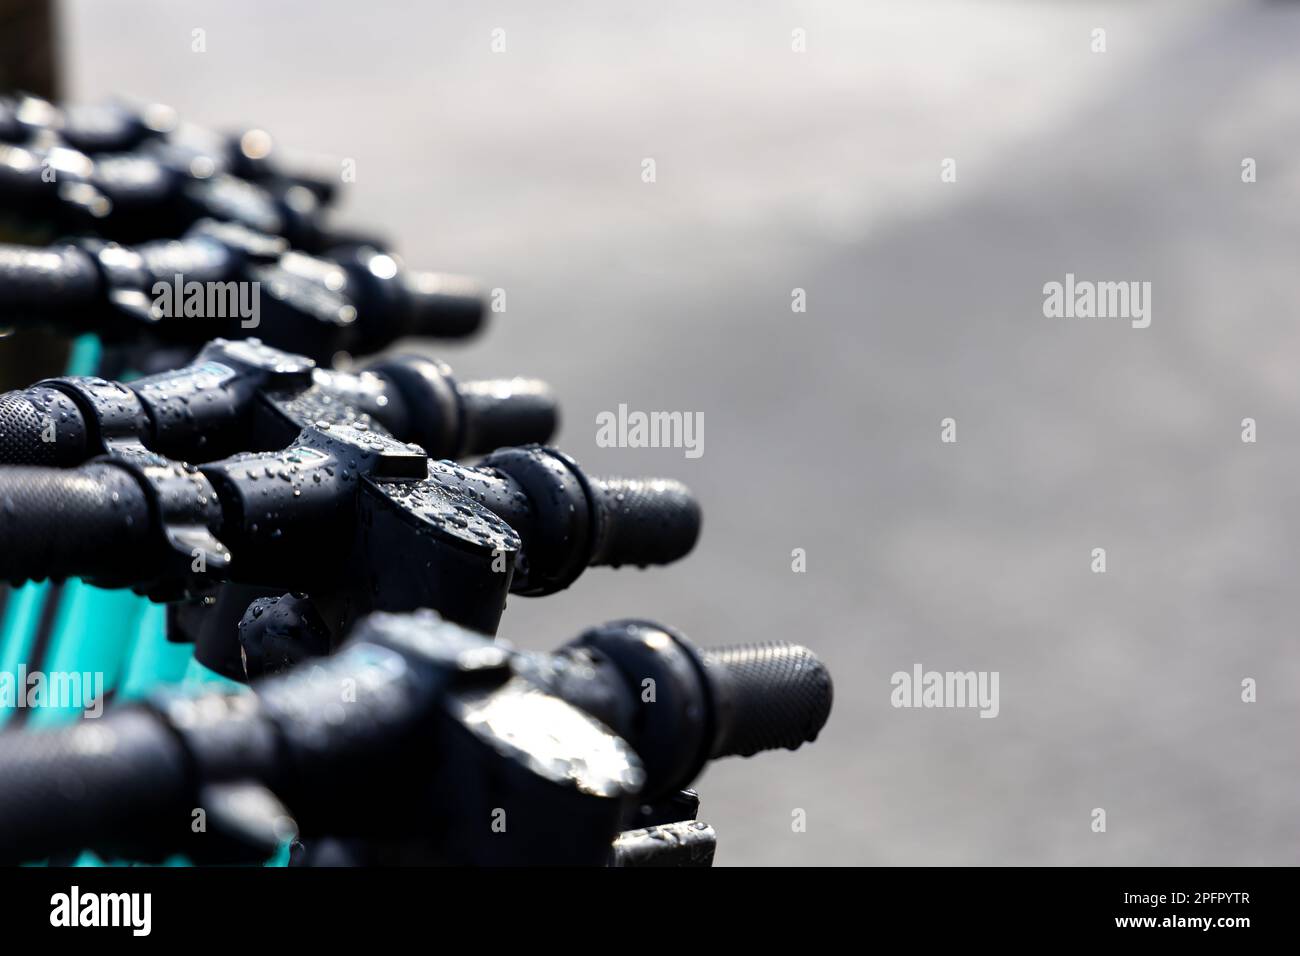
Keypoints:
pixel 820 170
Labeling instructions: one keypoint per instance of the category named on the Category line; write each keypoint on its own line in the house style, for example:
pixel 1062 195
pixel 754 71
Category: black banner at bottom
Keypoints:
pixel 211 905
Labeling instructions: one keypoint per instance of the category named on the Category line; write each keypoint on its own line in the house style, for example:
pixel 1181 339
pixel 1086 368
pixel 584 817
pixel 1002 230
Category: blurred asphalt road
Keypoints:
pixel 820 170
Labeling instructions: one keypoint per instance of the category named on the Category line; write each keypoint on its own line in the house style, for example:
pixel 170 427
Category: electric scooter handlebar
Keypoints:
pixel 161 189
pixel 359 304
pixel 442 726
pixel 119 127
pixel 244 396
pixel 344 510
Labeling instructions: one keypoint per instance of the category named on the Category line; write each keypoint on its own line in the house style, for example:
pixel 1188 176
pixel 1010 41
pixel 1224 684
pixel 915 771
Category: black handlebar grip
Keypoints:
pixel 500 412
pixel 197 259
pixel 443 306
pixel 67 789
pixel 102 128
pixel 766 696
pixel 89 522
pixel 643 521
pixel 41 426
pixel 36 280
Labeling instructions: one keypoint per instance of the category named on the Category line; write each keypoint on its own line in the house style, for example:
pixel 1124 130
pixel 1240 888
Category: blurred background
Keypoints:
pixel 820 170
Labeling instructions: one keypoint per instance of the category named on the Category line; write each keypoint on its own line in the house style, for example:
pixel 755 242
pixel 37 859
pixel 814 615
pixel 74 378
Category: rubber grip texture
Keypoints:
pixel 90 522
pixel 643 521
pixel 62 790
pixel 26 418
pixel 768 696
